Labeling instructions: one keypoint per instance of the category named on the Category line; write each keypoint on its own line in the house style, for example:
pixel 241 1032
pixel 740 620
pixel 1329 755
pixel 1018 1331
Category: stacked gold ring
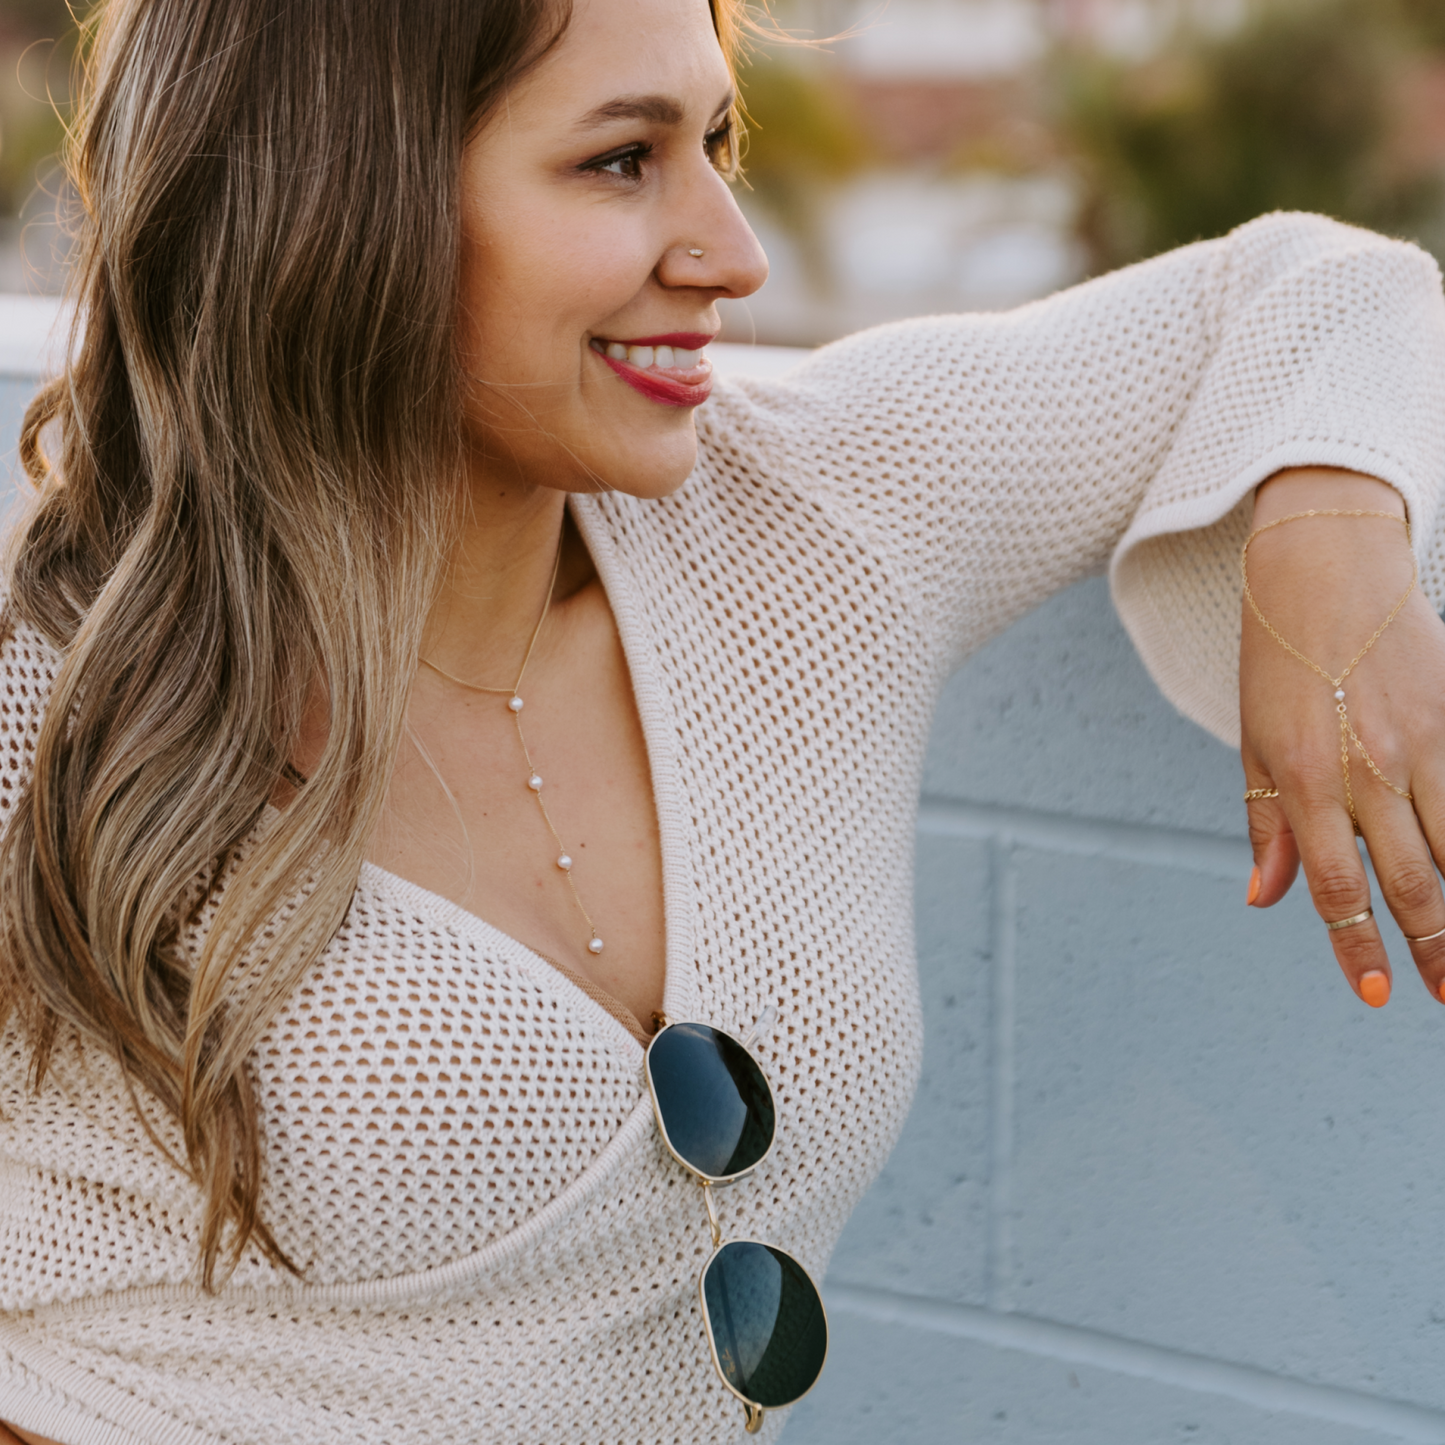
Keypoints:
pixel 1426 938
pixel 1255 795
pixel 1349 922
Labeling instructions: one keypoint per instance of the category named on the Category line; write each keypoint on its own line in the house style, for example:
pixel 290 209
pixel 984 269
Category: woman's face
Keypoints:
pixel 583 309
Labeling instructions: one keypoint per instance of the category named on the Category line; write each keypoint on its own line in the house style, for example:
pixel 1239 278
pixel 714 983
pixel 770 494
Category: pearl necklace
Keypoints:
pixel 515 705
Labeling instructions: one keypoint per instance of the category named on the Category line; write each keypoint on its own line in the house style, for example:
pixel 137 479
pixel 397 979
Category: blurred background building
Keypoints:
pixel 960 154
pixel 927 155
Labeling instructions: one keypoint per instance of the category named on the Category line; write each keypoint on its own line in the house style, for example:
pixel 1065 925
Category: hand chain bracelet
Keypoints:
pixel 1348 734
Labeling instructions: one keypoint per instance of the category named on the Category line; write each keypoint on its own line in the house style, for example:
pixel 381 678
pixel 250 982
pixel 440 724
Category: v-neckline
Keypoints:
pixel 679 988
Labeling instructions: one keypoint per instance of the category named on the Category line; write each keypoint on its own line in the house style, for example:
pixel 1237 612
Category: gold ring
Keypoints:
pixel 1348 922
pixel 1254 795
pixel 1427 938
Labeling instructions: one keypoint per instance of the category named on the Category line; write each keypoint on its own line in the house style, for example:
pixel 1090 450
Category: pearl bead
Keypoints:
pixel 535 783
pixel 515 704
pixel 1340 695
pixel 594 945
pixel 564 862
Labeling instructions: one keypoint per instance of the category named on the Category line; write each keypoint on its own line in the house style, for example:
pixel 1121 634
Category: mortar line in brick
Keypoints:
pixel 1218 857
pixel 1077 1345
pixel 1001 1121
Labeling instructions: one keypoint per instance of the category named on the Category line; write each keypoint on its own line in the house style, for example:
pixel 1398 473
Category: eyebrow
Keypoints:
pixel 658 109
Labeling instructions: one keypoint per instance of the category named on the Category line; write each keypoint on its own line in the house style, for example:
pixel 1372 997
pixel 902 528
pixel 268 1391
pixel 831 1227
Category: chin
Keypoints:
pixel 652 474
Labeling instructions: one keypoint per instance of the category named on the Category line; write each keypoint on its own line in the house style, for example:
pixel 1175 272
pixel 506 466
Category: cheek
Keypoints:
pixel 536 294
pixel 530 297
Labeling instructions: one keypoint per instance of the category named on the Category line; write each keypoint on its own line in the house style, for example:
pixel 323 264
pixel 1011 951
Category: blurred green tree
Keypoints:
pixel 1425 19
pixel 37 45
pixel 1295 110
pixel 802 140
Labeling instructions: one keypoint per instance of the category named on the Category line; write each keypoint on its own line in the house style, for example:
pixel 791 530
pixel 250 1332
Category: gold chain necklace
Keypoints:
pixel 515 704
pixel 1348 734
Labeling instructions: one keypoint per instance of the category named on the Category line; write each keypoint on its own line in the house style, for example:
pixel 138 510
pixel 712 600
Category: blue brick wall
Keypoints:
pixel 1165 1179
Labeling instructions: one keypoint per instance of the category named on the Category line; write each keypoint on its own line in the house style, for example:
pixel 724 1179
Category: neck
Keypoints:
pixel 497 581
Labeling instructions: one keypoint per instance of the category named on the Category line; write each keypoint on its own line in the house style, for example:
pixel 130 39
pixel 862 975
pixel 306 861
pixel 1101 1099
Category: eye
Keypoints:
pixel 721 150
pixel 625 162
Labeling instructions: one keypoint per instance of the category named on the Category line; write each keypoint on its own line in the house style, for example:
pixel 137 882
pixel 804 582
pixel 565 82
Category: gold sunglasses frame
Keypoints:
pixel 752 1411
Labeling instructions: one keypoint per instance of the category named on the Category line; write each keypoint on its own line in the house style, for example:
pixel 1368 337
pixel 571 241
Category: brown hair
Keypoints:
pixel 250 503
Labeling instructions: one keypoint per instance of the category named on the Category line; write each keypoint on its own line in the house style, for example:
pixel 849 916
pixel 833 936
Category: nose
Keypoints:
pixel 712 246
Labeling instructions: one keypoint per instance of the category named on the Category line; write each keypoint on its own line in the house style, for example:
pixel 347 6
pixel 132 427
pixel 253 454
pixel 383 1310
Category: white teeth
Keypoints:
pixel 663 357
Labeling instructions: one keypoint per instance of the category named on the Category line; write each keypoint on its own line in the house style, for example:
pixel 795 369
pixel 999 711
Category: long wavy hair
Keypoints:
pixel 251 497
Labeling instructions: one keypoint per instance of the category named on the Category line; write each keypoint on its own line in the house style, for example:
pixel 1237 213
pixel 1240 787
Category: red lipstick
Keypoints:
pixel 688 340
pixel 672 385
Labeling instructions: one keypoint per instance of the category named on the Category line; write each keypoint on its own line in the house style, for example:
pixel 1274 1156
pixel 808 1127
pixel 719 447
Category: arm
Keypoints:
pixel 986 461
pixel 1326 584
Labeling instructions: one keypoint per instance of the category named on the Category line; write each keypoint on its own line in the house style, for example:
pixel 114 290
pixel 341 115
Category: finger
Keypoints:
pixel 1276 854
pixel 1425 930
pixel 1276 857
pixel 1408 881
pixel 1339 886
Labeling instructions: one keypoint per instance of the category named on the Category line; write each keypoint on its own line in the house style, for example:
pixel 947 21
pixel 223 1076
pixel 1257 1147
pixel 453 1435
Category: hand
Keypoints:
pixel 1326 584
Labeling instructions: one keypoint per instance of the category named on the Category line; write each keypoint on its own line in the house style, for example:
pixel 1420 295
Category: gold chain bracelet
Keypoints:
pixel 1348 734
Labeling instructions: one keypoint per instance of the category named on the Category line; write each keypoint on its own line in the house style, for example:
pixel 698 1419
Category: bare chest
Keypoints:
pixel 542 823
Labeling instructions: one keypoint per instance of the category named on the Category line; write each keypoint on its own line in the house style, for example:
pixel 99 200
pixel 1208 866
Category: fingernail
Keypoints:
pixel 1441 991
pixel 1253 887
pixel 1375 988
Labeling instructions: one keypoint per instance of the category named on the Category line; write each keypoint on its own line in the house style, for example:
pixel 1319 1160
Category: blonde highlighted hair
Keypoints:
pixel 248 507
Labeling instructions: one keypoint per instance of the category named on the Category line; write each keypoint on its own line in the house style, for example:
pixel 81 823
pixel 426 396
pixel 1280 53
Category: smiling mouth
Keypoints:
pixel 670 369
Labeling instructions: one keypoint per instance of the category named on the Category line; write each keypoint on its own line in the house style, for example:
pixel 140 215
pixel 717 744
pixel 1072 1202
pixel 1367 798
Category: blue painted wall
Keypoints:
pixel 15 393
pixel 1166 1180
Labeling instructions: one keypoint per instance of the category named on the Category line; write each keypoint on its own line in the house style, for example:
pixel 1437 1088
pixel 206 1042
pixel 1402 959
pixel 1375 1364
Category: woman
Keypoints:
pixel 383 505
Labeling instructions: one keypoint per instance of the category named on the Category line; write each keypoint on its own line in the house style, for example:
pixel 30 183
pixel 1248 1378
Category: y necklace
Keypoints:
pixel 515 704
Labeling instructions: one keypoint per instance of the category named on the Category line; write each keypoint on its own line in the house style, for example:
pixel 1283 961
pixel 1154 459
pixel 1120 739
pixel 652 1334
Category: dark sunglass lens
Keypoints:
pixel 767 1322
pixel 715 1103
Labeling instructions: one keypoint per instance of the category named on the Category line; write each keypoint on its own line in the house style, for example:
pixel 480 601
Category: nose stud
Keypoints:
pixel 694 251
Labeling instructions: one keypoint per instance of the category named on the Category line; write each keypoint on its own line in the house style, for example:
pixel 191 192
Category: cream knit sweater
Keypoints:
pixel 459 1143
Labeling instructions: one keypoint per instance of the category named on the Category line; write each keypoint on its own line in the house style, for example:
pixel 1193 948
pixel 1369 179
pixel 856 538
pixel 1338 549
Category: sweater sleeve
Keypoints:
pixel 989 460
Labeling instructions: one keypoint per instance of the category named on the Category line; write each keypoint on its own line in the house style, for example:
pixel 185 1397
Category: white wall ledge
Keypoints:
pixel 32 335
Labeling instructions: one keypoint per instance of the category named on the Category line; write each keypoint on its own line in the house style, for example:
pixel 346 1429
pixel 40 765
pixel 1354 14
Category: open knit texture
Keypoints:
pixel 459 1145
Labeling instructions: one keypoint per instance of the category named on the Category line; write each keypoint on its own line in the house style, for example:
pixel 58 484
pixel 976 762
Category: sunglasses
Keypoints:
pixel 765 1321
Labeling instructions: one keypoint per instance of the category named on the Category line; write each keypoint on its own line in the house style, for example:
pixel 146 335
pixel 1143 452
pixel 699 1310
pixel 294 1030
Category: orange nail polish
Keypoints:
pixel 1442 991
pixel 1375 989
pixel 1253 887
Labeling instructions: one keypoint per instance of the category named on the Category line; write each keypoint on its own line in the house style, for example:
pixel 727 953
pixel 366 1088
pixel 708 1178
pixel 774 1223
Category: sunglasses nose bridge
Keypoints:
pixel 712 1220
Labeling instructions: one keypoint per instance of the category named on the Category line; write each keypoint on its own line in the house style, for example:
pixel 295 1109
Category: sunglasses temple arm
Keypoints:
pixel 763 1028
